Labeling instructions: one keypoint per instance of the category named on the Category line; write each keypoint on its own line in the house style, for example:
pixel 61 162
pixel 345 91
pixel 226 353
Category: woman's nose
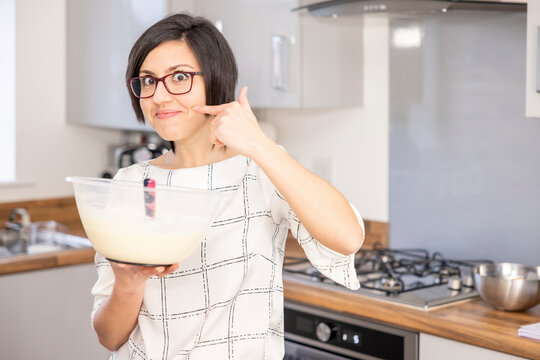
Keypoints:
pixel 161 94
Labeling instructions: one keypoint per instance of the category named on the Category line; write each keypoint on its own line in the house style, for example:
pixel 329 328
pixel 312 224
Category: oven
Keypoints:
pixel 319 334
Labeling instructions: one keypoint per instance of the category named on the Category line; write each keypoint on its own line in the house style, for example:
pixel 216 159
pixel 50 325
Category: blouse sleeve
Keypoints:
pixel 335 266
pixel 104 285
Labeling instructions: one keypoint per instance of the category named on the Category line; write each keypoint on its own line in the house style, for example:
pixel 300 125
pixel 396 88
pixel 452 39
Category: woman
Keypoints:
pixel 226 300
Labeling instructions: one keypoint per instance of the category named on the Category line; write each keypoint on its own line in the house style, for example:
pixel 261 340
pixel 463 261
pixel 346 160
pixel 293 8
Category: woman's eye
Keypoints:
pixel 148 81
pixel 181 77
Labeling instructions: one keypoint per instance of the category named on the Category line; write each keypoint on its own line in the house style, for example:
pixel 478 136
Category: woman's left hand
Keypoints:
pixel 235 126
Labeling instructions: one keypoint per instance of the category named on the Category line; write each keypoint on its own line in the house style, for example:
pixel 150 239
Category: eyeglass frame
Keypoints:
pixel 162 79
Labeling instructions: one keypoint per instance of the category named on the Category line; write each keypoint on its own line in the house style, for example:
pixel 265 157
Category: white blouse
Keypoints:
pixel 226 300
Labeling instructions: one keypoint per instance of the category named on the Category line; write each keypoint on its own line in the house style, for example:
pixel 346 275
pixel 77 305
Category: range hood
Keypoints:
pixel 335 8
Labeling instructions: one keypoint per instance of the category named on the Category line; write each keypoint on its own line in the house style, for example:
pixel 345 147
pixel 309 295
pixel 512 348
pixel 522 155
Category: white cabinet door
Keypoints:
pixel 332 61
pixel 437 348
pixel 45 314
pixel 288 59
pixel 100 34
pixel 533 68
pixel 263 35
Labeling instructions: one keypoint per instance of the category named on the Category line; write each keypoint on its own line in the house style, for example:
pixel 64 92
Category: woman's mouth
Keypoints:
pixel 166 114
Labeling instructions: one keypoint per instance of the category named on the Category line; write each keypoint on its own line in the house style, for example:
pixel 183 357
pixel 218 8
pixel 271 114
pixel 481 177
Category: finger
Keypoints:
pixel 170 270
pixel 242 98
pixel 210 109
pixel 167 270
pixel 159 269
pixel 213 138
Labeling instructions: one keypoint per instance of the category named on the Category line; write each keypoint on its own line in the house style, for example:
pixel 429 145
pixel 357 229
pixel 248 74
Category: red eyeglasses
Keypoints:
pixel 177 83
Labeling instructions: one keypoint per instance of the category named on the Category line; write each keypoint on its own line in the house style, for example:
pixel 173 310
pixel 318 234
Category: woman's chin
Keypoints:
pixel 167 136
pixel 173 132
pixel 169 133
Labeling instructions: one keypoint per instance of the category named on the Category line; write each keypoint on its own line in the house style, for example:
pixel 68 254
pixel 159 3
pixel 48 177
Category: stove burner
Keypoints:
pixel 394 285
pixel 446 272
pixel 396 271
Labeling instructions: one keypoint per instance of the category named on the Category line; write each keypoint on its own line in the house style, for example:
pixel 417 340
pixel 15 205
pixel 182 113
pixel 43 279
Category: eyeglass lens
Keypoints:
pixel 177 83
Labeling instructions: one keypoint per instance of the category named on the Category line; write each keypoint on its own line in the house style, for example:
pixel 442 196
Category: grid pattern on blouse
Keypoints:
pixel 225 301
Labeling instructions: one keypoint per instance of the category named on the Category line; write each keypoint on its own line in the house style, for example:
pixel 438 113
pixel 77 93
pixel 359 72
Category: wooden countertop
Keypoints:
pixel 22 263
pixel 472 322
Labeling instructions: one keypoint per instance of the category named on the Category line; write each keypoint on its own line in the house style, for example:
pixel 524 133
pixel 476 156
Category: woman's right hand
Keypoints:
pixel 118 315
pixel 133 277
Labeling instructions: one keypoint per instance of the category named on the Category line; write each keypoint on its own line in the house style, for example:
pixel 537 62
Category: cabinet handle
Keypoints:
pixel 278 62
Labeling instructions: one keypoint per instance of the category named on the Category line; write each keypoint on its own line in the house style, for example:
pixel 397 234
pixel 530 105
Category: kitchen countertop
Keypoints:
pixel 22 263
pixel 472 321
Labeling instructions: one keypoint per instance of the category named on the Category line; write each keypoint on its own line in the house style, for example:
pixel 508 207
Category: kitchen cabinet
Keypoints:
pixel 100 34
pixel 264 38
pixel 45 314
pixel 288 59
pixel 532 92
pixel 434 347
pixel 332 61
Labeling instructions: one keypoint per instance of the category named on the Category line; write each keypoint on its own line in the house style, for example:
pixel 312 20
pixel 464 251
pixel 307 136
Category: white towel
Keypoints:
pixel 531 331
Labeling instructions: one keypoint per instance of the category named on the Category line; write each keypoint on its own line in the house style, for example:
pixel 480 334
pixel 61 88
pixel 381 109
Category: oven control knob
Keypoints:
pixel 324 331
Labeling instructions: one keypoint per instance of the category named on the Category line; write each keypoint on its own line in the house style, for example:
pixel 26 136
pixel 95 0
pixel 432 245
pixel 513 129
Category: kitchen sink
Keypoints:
pixel 36 240
pixel 22 237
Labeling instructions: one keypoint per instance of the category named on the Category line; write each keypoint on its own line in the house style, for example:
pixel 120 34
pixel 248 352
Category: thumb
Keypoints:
pixel 242 98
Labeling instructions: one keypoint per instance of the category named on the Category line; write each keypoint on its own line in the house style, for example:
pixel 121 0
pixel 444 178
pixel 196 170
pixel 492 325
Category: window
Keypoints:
pixel 7 91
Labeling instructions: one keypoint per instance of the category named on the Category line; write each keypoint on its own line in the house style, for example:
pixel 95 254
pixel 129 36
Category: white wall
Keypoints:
pixel 47 148
pixel 7 95
pixel 348 147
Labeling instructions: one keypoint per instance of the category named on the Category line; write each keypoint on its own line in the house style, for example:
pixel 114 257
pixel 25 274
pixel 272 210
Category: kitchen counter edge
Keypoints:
pixel 24 263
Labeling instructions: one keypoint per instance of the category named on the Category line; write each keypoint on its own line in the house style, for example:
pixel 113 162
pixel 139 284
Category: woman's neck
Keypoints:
pixel 189 156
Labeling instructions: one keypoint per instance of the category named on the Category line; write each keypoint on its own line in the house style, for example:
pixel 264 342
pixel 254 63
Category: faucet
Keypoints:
pixel 22 226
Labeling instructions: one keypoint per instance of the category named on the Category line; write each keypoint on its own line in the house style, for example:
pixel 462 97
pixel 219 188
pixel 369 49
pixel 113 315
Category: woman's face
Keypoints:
pixel 172 116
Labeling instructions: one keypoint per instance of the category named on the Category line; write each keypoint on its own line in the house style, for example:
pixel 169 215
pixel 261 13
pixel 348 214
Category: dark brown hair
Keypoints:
pixel 209 47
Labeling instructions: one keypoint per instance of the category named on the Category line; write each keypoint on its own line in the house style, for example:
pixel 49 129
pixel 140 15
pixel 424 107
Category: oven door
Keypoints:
pixel 295 351
pixel 313 333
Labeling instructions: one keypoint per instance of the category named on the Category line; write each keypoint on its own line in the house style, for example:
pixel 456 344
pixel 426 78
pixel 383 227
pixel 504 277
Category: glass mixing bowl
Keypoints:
pixel 130 223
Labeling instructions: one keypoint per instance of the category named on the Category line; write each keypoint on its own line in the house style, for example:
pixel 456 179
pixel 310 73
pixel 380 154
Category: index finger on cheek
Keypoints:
pixel 212 110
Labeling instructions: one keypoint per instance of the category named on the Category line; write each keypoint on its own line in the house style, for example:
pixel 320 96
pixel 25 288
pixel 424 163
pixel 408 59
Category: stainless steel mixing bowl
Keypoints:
pixel 508 286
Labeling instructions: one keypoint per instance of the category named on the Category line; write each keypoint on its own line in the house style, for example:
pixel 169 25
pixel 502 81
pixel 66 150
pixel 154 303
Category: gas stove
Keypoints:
pixel 411 277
